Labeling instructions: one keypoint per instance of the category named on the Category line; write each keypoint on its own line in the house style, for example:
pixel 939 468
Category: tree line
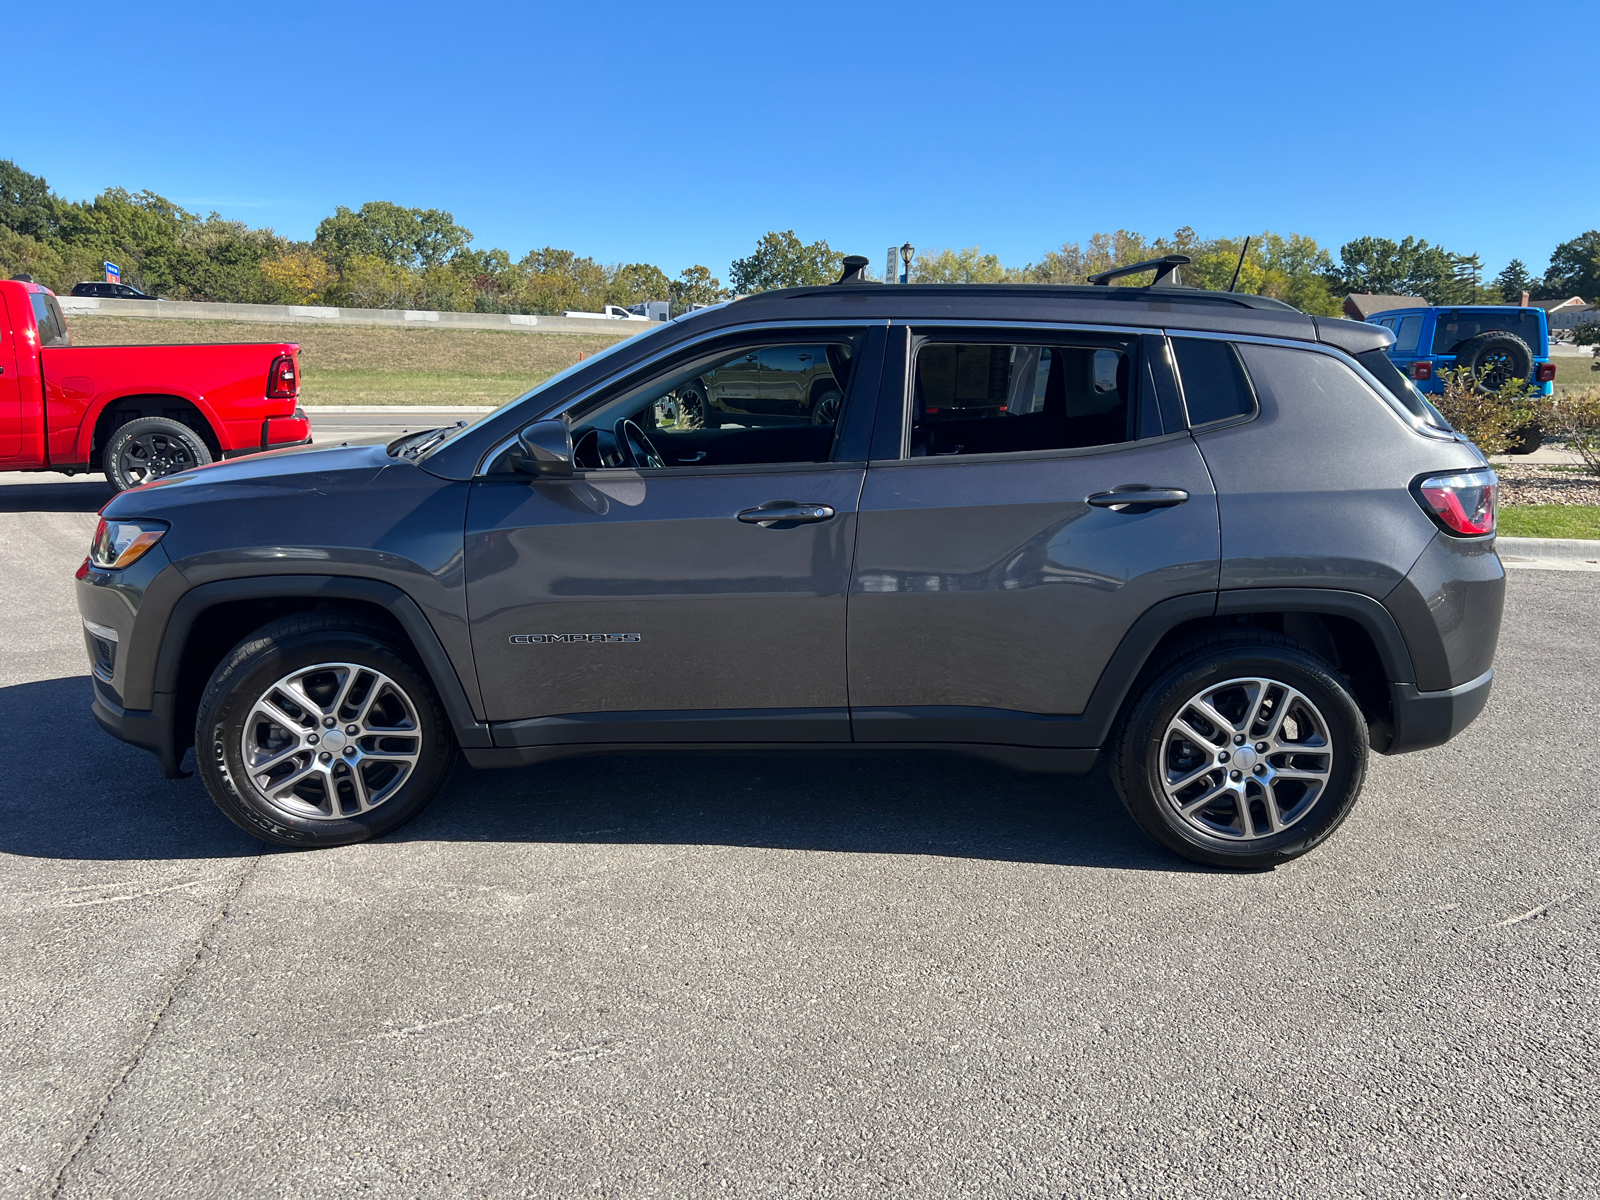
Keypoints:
pixel 383 255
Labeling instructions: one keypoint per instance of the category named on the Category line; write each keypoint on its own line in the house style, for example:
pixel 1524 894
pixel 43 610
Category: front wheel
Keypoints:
pixel 149 448
pixel 316 731
pixel 825 408
pixel 1245 751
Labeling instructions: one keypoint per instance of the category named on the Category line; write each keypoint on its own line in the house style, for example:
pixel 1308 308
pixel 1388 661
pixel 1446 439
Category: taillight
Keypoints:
pixel 1422 370
pixel 1462 503
pixel 1545 373
pixel 282 382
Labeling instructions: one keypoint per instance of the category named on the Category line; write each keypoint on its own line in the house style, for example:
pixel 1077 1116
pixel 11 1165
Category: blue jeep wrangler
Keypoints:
pixel 1500 342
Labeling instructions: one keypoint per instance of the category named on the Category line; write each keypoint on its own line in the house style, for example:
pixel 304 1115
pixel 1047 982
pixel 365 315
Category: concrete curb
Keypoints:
pixel 1549 554
pixel 306 314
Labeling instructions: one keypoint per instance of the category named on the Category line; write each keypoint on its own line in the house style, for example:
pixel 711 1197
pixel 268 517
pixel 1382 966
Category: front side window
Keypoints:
pixel 768 403
pixel 1215 385
pixel 998 398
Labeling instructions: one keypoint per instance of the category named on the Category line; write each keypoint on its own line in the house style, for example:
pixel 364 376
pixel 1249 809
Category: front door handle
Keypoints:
pixel 785 514
pixel 1138 498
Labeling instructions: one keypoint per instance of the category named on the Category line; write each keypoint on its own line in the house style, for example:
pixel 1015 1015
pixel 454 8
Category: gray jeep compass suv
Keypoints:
pixel 1216 543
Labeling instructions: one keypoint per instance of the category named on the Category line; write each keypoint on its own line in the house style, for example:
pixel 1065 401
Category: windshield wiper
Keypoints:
pixel 414 444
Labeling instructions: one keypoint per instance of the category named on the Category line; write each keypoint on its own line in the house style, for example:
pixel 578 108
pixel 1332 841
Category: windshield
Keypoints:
pixel 531 398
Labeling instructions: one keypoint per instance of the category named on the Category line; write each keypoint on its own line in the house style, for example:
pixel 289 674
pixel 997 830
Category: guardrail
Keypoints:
pixel 305 314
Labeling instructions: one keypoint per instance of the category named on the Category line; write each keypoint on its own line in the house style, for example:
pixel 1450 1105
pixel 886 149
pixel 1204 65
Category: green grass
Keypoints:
pixel 1549 521
pixel 366 364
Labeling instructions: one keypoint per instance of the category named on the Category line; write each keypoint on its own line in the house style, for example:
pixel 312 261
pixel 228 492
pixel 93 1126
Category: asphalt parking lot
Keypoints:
pixel 798 977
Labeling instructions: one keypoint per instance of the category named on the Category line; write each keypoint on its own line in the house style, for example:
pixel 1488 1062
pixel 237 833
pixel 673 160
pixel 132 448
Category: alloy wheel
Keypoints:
pixel 153 456
pixel 331 741
pixel 1246 759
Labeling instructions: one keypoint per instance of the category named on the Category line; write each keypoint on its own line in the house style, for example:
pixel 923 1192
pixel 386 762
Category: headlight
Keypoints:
pixel 118 544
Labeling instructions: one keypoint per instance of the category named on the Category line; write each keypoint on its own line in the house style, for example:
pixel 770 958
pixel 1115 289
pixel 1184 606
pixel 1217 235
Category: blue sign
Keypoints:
pixel 113 273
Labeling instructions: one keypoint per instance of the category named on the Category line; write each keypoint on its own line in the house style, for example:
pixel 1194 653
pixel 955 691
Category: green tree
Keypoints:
pixel 27 205
pixel 962 266
pixel 1407 268
pixel 695 285
pixel 781 260
pixel 412 238
pixel 1574 268
pixel 636 283
pixel 1513 281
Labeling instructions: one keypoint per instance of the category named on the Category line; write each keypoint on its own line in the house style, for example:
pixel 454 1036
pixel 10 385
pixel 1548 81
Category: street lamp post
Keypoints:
pixel 906 253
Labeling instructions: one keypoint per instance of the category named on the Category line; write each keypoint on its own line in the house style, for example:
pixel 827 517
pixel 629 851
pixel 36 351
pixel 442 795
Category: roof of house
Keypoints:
pixel 1362 305
pixel 1552 305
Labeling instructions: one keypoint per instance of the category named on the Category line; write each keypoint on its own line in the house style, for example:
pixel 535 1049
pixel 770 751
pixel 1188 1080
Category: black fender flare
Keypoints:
pixel 470 731
pixel 1133 653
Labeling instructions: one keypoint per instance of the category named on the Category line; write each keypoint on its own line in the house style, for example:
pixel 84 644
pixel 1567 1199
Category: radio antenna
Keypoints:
pixel 1235 282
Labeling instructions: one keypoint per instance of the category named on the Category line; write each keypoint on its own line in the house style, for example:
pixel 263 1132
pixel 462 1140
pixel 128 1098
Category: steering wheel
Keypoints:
pixel 636 448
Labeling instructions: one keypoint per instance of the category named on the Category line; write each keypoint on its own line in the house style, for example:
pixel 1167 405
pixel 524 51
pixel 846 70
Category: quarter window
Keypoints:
pixel 1215 386
pixel 996 398
pixel 1405 338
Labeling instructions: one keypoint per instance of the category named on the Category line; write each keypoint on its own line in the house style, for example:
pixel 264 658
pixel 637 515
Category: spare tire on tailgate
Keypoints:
pixel 1496 358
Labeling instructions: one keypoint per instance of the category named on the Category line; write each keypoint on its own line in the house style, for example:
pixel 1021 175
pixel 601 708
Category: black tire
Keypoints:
pixel 694 409
pixel 253 667
pixel 825 408
pixel 1496 358
pixel 1137 750
pixel 149 448
pixel 1526 439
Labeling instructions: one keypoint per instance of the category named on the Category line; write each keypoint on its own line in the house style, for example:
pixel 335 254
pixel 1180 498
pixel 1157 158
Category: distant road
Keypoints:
pixel 341 424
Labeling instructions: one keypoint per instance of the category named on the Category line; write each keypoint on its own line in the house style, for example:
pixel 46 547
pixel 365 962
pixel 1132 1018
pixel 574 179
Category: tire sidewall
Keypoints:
pixel 1474 350
pixel 247 674
pixel 111 459
pixel 1141 754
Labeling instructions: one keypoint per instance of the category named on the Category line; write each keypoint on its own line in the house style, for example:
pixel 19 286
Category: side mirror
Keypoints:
pixel 543 448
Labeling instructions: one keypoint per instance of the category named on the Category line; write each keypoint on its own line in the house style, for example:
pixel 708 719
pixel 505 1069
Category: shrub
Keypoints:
pixel 1490 419
pixel 1575 417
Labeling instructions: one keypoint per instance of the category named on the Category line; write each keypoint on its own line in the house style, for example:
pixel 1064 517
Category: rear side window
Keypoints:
pixel 1405 337
pixel 997 398
pixel 1453 328
pixel 52 325
pixel 1215 384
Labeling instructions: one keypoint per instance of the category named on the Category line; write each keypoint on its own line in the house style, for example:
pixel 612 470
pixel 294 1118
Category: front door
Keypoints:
pixel 701 603
pixel 996 572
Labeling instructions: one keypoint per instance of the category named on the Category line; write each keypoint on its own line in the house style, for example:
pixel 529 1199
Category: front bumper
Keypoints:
pixel 150 729
pixel 1426 719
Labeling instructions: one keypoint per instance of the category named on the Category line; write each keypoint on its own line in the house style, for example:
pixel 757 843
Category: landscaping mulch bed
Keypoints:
pixel 1530 484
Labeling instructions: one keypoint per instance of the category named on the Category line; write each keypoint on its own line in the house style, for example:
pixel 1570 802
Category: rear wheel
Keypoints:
pixel 150 448
pixel 693 406
pixel 1244 751
pixel 316 731
pixel 825 408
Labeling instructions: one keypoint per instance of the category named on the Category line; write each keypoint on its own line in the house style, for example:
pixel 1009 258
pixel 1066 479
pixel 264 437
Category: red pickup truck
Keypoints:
pixel 135 412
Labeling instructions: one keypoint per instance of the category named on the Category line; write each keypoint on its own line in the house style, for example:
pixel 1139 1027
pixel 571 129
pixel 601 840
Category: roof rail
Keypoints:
pixel 1161 266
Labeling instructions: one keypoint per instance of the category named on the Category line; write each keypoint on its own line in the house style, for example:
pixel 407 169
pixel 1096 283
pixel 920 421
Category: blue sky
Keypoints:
pixel 678 133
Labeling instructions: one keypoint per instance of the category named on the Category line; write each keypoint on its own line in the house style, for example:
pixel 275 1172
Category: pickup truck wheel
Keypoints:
pixel 1244 751
pixel 150 447
pixel 315 731
pixel 693 407
pixel 825 409
pixel 1496 358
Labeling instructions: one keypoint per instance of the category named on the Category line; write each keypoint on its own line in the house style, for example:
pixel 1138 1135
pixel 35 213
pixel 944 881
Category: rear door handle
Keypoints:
pixel 784 514
pixel 1138 498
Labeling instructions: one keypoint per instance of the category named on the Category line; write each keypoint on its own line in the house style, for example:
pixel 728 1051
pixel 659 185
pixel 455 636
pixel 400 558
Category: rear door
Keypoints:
pixel 996 568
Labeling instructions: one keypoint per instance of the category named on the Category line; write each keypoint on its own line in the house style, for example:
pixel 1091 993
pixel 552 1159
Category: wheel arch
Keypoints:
pixel 1353 631
pixel 116 411
pixel 209 620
